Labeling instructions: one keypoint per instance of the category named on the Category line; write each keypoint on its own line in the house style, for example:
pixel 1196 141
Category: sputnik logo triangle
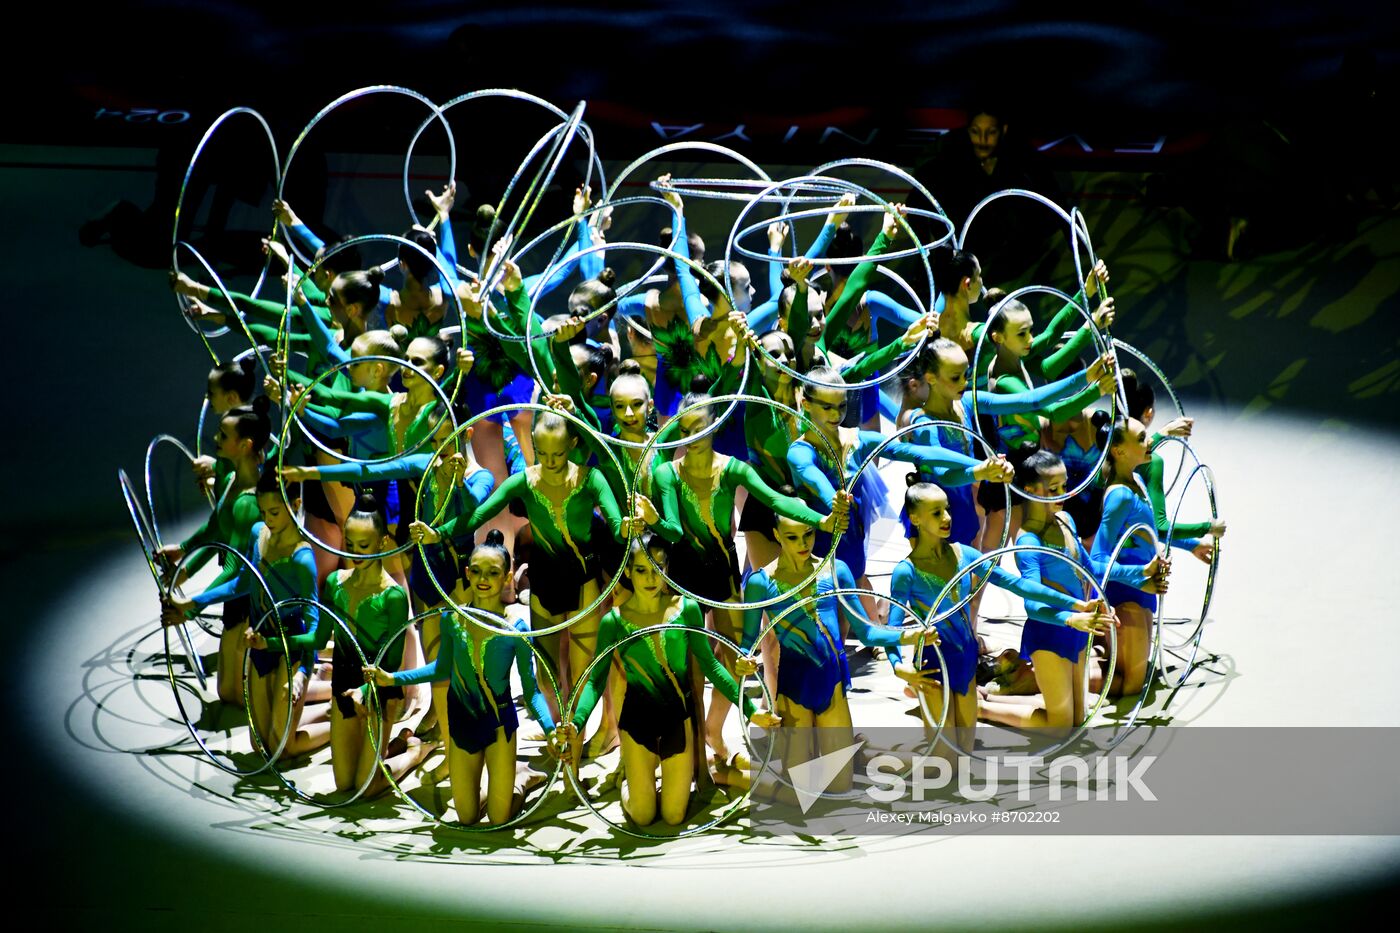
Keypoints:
pixel 811 778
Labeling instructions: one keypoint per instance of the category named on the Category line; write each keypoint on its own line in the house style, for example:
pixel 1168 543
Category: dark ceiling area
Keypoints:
pixel 1103 77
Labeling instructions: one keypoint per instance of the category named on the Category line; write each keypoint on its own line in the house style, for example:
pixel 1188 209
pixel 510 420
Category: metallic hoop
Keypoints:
pixel 913 352
pixel 1122 732
pixel 687 145
pixel 145 537
pixel 170 664
pixel 1208 477
pixel 1100 343
pixel 422 548
pixel 540 663
pixel 726 812
pixel 345 98
pixel 645 458
pixel 180 203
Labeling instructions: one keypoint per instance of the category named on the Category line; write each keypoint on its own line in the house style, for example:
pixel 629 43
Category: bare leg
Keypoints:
pixel 835 733
pixel 1134 648
pixel 639 790
pixel 466 783
pixel 230 676
pixel 729 624
pixel 500 786
pixel 677 773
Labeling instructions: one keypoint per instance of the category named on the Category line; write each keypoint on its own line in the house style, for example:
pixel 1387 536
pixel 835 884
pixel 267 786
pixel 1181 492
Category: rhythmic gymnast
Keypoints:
pixel 944 369
pixel 657 717
pixel 476 664
pixel 814 674
pixel 1054 641
pixel 817 477
pixel 1018 358
pixel 375 607
pixel 1125 504
pixel 696 497
pixel 918 580
pixel 456 486
pixel 285 561
pixel 242 438
pixel 559 498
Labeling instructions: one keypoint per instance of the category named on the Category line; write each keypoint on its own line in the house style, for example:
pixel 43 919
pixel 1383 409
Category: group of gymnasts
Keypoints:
pixel 453 471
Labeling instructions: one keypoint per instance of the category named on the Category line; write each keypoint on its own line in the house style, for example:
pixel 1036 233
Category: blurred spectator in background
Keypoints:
pixel 990 155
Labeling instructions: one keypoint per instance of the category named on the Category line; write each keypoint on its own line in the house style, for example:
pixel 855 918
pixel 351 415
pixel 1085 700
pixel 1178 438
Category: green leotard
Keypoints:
pixel 660 663
pixel 231 523
pixel 707 524
pixel 557 529
pixel 374 621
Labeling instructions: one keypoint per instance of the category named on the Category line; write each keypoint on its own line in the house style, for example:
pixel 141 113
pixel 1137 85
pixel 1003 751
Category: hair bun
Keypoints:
pixel 401 336
pixel 629 367
pixel 912 478
pixel 246 365
pixel 495 538
pixel 261 406
pixel 607 276
pixel 700 384
pixel 366 502
pixel 1099 419
pixel 375 275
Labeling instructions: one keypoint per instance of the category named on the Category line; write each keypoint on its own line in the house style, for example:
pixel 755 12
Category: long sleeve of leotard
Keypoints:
pixel 605 502
pixel 700 649
pixel 270 335
pixel 589 266
pixel 1057 411
pixel 838 319
pixel 807 475
pixel 1043 342
pixel 410 466
pixel 867 364
pixel 525 668
pixel 245 516
pixel 868 632
pixel 437 670
pixel 375 403
pixel 757 588
pixel 695 309
pixel 462 527
pixel 322 339
pixel 1153 473
pixel 948 466
pixel 901 591
pixel 261 310
pixel 1026 589
pixel 883 306
pixel 787 506
pixel 667 502
pixel 346 425
pixel 1010 403
pixel 240 584
pixel 764 317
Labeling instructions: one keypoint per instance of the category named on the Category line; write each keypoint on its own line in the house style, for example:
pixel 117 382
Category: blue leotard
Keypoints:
pixel 479 675
pixel 817 479
pixel 1122 508
pixel 919 589
pixel 814 656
